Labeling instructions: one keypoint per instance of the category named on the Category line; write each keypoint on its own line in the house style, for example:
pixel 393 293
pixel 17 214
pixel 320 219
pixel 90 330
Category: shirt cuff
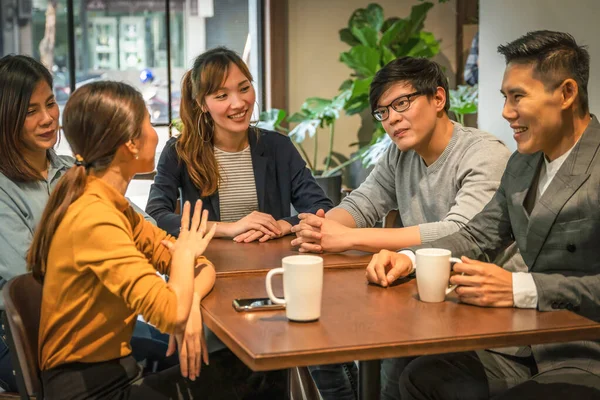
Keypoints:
pixel 412 257
pixel 524 290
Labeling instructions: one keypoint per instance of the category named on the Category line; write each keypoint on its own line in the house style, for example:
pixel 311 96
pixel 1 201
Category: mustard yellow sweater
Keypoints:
pixel 101 274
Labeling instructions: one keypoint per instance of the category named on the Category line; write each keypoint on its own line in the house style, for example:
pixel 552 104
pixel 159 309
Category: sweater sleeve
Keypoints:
pixel 477 176
pixel 104 243
pixel 376 196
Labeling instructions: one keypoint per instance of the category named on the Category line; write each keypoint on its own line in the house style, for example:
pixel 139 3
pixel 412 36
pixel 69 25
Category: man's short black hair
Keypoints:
pixel 556 56
pixel 421 73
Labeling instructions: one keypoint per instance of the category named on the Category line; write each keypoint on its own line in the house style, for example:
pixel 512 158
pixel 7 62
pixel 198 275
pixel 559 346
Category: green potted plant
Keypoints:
pixel 463 101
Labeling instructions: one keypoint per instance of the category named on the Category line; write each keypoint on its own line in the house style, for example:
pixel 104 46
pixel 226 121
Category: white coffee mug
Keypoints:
pixel 302 287
pixel 433 274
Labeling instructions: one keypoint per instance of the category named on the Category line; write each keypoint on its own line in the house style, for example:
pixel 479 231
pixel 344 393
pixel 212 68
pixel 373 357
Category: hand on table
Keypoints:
pixel 255 222
pixel 316 234
pixel 483 284
pixel 387 266
pixel 253 234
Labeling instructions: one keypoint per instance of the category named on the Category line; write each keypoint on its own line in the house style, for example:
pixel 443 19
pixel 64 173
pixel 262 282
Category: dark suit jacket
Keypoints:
pixel 280 174
pixel 559 240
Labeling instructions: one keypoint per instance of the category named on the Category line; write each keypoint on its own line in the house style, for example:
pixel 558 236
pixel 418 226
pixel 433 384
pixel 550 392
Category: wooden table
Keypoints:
pixel 365 322
pixel 234 258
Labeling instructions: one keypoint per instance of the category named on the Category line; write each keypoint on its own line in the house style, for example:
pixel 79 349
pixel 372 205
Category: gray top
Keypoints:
pixel 21 208
pixel 440 198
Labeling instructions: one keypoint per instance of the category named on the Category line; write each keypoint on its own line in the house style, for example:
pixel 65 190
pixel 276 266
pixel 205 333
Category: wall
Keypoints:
pixel 314 49
pixel 504 21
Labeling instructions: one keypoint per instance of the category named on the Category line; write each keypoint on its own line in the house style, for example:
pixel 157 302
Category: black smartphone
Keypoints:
pixel 256 304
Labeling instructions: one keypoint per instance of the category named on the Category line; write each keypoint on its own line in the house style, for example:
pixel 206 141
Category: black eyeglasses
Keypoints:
pixel 400 104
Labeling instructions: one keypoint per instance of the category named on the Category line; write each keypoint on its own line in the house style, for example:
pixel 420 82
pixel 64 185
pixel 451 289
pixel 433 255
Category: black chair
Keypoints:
pixel 21 319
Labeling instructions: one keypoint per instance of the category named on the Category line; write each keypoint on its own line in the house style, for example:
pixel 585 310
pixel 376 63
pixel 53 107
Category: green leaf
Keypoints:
pixel 346 36
pixel 366 35
pixel 364 60
pixel 426 46
pixel 361 87
pixel 417 17
pixel 347 84
pixel 357 104
pixel 371 16
pixel 387 55
pixel 388 23
pixel 392 34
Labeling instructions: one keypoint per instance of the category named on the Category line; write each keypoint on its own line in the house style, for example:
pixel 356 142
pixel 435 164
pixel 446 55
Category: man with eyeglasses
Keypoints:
pixel 439 174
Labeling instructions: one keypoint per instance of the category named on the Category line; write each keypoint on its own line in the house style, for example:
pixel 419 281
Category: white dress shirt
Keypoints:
pixel 524 290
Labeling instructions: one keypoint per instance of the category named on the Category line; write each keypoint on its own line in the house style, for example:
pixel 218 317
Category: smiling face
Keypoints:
pixel 41 123
pixel 414 127
pixel 232 104
pixel 534 113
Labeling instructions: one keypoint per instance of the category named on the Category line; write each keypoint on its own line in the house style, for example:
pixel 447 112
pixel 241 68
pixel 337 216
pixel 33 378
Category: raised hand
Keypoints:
pixel 192 237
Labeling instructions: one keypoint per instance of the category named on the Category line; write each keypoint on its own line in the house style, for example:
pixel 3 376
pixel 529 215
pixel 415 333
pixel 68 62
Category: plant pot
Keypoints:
pixel 332 186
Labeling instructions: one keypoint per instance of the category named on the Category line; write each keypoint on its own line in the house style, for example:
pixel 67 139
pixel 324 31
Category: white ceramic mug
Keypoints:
pixel 433 274
pixel 302 287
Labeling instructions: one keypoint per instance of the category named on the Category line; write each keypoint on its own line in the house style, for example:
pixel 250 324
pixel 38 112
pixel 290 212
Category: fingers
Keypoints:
pixel 196 216
pixel 254 236
pixel 199 351
pixel 310 248
pixel 302 226
pixel 193 357
pixel 168 244
pixel 204 351
pixel 211 233
pixel 265 238
pixel 471 268
pixel 185 217
pixel 240 238
pixel 309 234
pixel 172 346
pixel 370 271
pixel 400 267
pixel 311 220
pixel 183 359
pixel 320 213
pixel 204 222
pixel 267 221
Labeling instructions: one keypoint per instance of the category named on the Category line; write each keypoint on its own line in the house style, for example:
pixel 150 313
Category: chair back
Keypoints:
pixel 22 303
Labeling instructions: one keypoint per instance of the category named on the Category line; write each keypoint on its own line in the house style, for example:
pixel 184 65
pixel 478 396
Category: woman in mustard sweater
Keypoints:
pixel 97 259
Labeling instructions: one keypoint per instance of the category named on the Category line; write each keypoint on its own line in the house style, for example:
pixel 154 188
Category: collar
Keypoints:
pixel 101 189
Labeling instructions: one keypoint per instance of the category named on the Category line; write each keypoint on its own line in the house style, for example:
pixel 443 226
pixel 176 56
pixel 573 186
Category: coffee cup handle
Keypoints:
pixel 273 272
pixel 451 288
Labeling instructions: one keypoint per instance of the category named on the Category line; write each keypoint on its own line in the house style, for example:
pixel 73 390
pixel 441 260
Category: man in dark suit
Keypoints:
pixel 549 203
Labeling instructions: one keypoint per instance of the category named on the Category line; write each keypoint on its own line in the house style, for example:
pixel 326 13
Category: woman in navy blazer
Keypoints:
pixel 216 107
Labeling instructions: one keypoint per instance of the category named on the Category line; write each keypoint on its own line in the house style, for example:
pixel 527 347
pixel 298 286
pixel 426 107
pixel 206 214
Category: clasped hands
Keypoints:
pixel 316 234
pixel 479 283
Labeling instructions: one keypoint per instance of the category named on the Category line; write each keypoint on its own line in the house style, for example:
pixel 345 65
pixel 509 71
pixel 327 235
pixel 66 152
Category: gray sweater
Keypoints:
pixel 440 198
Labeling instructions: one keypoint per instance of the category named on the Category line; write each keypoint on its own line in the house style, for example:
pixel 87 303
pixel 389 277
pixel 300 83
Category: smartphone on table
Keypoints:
pixel 256 304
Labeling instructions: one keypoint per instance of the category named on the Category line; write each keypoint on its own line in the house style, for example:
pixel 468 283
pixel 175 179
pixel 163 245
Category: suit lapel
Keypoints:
pixel 527 177
pixel 569 178
pixel 259 164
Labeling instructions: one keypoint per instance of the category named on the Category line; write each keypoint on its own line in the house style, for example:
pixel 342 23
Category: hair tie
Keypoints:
pixel 80 162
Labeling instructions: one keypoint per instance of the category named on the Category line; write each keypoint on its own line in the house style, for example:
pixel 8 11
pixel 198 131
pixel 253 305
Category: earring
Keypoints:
pixel 254 123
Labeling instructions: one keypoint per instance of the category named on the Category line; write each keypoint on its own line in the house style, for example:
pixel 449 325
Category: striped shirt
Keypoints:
pixel 237 189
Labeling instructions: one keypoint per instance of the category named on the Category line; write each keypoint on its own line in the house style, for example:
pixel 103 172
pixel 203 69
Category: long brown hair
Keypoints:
pixel 19 76
pixel 195 144
pixel 98 118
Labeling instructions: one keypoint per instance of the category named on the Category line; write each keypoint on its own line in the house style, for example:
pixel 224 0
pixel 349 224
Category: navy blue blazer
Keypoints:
pixel 280 174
